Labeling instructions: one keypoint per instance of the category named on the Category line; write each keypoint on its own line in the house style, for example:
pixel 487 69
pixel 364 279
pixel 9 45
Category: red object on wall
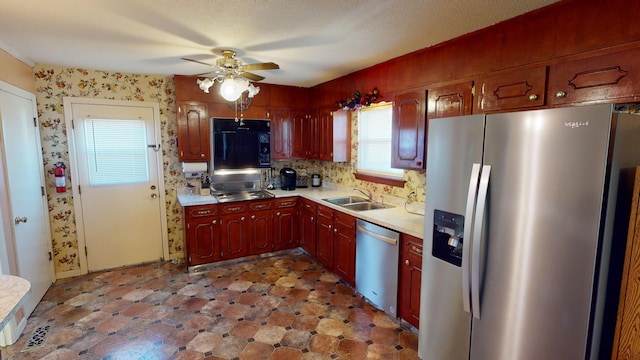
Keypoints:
pixel 61 179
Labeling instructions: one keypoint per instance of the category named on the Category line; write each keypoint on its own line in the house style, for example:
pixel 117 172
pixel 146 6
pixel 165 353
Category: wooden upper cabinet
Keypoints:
pixel 298 124
pixel 408 131
pixel 334 129
pixel 450 100
pixel 280 133
pixel 512 90
pixel 193 132
pixel 612 77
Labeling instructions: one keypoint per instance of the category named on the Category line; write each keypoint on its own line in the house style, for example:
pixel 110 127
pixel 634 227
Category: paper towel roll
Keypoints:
pixel 194 169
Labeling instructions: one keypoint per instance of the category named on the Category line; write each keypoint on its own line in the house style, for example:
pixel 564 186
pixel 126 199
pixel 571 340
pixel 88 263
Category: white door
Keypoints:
pixel 118 160
pixel 29 213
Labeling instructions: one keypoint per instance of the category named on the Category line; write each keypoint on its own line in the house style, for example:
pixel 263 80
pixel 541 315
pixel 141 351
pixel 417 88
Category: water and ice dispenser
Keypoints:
pixel 447 237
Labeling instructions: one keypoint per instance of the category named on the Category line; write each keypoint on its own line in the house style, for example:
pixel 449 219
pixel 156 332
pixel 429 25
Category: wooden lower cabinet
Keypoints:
pixel 307 230
pixel 410 276
pixel 324 241
pixel 246 228
pixel 202 225
pixel 285 223
pixel 344 246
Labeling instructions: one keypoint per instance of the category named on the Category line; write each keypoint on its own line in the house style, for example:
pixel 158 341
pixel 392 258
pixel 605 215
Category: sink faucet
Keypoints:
pixel 367 193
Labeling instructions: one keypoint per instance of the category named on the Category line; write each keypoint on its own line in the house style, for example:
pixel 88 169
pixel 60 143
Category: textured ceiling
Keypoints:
pixel 313 41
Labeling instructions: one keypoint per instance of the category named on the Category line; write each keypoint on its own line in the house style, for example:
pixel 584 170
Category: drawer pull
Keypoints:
pixel 561 94
pixel 533 97
pixel 418 250
pixel 407 262
pixel 204 212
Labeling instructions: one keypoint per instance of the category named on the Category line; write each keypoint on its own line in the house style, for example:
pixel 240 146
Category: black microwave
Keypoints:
pixel 241 144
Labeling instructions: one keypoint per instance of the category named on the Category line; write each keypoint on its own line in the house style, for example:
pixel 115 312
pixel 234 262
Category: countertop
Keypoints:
pixel 395 218
pixel 13 291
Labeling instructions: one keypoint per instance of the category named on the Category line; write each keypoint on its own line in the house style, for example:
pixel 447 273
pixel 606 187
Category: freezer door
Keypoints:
pixel 540 242
pixel 454 144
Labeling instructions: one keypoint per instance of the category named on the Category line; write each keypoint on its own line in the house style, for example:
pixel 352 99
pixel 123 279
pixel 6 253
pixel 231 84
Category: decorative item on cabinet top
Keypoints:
pixel 357 100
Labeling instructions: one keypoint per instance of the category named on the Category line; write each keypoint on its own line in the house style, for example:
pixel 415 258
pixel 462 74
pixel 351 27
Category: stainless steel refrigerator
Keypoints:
pixel 518 232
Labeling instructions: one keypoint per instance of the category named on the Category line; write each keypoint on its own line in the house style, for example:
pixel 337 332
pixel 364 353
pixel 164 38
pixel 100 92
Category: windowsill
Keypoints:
pixel 392 181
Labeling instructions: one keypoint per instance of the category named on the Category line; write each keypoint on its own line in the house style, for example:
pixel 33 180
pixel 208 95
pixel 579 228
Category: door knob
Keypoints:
pixel 21 220
pixel 153 187
pixel 154 195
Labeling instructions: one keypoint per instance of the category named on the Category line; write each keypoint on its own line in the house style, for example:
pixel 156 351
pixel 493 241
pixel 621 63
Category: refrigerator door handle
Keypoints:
pixel 468 227
pixel 483 189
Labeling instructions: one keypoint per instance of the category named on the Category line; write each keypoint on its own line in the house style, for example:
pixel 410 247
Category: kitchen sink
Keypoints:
pixel 345 200
pixel 362 206
pixel 356 203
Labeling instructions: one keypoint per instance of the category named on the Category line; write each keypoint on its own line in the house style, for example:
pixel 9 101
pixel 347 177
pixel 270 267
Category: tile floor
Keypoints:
pixel 283 307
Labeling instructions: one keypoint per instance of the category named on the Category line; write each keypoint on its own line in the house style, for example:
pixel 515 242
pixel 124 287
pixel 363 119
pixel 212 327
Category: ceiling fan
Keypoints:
pixel 228 65
pixel 233 75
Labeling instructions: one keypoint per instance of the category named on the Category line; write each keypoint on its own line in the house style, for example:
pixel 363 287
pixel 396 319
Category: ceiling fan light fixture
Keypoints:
pixel 232 88
pixel 205 84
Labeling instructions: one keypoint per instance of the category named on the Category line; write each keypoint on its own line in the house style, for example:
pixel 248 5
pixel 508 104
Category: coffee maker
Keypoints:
pixel 288 179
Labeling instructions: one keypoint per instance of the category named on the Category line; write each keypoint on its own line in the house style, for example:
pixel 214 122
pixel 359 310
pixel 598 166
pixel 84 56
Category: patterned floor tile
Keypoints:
pixel 282 307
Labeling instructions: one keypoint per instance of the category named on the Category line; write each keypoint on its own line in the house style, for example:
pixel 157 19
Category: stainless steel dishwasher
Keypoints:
pixel 377 265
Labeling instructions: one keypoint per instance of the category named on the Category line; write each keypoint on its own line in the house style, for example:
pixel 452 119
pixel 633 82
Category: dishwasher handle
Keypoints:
pixel 386 239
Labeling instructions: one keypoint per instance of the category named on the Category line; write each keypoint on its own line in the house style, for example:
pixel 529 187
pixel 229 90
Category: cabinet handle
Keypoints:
pixel 407 262
pixel 561 94
pixel 242 218
pixel 214 222
pixel 418 250
pixel 335 230
pixel 312 218
pixel 277 214
pixel 533 97
pixel 253 216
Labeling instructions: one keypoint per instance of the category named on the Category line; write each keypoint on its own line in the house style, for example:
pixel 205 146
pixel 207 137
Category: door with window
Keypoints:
pixel 118 161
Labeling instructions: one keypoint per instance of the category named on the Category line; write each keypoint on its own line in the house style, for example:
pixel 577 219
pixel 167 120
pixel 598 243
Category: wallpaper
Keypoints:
pixel 54 83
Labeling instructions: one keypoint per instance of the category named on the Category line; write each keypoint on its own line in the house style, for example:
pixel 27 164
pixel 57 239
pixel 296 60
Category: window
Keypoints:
pixel 116 151
pixel 374 141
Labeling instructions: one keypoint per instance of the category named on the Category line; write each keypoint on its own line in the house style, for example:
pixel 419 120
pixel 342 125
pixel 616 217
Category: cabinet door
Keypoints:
pixel 298 149
pixel 308 232
pixel 193 132
pixel 234 236
pixel 324 241
pixel 312 135
pixel 280 133
pixel 408 131
pixel 335 135
pixel 450 100
pixel 513 90
pixel 609 77
pixel 201 240
pixel 261 234
pixel 201 232
pixel 410 277
pixel 344 247
pixel 285 228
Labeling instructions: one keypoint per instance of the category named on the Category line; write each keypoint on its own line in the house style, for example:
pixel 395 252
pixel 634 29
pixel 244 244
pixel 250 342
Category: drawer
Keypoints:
pixel 234 208
pixel 258 205
pixel 201 211
pixel 309 205
pixel 285 202
pixel 325 212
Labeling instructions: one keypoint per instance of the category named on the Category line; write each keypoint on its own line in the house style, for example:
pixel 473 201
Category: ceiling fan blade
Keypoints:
pixel 251 76
pixel 262 66
pixel 196 61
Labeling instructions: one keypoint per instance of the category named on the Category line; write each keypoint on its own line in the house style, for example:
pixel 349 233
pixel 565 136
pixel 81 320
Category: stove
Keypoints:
pixel 242 195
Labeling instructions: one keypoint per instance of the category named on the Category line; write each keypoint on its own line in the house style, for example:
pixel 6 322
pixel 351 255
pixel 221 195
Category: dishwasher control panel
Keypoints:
pixel 447 237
